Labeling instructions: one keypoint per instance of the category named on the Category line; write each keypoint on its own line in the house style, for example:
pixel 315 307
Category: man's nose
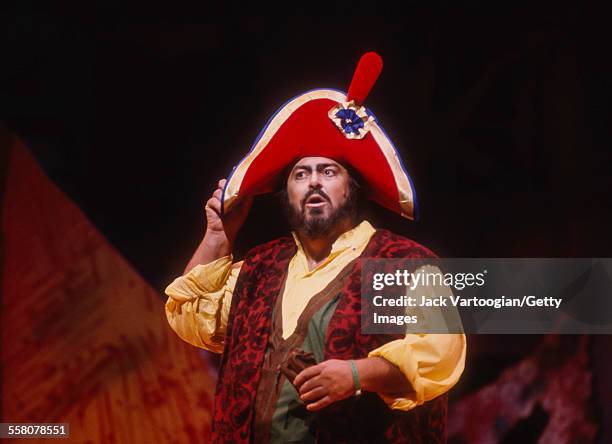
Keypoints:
pixel 315 180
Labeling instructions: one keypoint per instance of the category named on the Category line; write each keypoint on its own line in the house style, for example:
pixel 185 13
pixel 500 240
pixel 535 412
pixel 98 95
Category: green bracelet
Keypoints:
pixel 356 382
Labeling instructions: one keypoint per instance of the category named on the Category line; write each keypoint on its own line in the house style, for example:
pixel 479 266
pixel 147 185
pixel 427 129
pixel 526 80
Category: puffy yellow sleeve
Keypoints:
pixel 432 363
pixel 199 302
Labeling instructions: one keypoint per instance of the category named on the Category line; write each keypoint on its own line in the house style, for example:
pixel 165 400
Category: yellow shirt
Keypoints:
pixel 199 302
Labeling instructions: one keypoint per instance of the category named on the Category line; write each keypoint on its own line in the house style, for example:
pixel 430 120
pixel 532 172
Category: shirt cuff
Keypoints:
pixel 432 363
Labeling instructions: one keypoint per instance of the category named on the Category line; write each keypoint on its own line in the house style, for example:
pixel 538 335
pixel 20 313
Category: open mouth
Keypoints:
pixel 315 201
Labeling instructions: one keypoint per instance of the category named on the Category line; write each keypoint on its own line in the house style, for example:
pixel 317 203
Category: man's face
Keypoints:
pixel 318 192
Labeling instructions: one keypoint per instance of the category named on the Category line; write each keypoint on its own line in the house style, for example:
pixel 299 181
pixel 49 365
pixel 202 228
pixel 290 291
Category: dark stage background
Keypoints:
pixel 501 114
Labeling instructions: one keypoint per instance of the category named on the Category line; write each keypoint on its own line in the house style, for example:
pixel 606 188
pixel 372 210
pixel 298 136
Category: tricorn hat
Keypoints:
pixel 333 124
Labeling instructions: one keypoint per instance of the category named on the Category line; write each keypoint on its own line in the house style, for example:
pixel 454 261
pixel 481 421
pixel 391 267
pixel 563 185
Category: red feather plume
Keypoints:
pixel 367 71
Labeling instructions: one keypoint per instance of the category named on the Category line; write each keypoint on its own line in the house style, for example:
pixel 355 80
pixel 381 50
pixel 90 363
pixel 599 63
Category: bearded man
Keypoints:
pixel 296 366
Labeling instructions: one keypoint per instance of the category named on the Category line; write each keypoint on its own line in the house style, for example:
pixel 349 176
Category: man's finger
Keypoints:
pixel 217 194
pixel 320 404
pixel 306 374
pixel 314 394
pixel 214 204
pixel 221 183
pixel 310 384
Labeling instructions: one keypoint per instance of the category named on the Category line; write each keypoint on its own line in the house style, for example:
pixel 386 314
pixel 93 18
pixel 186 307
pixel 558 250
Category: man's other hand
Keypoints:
pixel 325 383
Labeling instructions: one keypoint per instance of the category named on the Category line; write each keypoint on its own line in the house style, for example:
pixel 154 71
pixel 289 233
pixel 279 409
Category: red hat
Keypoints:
pixel 327 123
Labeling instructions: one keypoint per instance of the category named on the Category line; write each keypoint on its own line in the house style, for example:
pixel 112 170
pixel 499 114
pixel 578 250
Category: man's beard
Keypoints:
pixel 317 225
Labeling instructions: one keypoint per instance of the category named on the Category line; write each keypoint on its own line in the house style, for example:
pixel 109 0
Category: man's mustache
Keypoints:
pixel 312 192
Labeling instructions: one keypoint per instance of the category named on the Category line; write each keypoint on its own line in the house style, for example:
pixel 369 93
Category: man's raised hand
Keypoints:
pixel 228 225
pixel 220 231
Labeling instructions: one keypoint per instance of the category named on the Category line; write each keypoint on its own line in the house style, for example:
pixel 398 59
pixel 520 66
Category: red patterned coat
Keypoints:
pixel 366 419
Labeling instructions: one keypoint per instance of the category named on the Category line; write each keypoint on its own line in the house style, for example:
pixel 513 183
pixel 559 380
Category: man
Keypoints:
pixel 287 318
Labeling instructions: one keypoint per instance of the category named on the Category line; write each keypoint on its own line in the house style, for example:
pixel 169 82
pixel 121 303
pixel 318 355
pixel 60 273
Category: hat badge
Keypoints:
pixel 354 121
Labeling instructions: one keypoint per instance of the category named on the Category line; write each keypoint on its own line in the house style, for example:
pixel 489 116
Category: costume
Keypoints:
pixel 241 309
pixel 363 420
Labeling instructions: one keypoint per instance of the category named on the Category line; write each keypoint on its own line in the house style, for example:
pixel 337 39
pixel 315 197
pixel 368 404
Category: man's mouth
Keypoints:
pixel 315 201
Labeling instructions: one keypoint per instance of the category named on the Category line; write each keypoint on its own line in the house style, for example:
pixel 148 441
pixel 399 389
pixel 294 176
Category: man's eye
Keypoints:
pixel 299 175
pixel 329 172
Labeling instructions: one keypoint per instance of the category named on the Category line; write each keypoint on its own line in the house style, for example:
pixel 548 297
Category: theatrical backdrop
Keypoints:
pixel 113 134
